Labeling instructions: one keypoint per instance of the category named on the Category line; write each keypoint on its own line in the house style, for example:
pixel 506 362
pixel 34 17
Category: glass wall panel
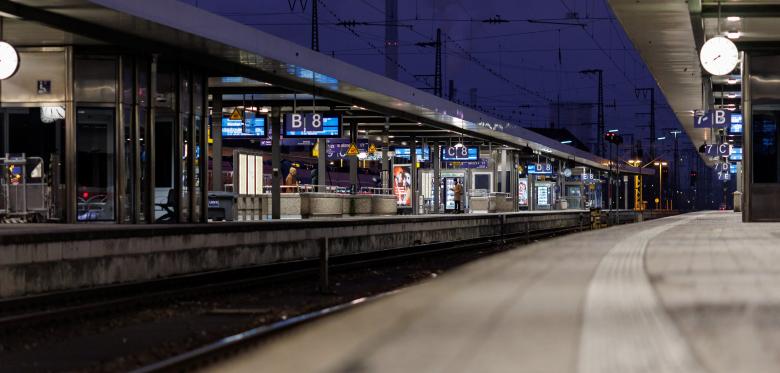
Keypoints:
pixel 95 164
pixel 36 136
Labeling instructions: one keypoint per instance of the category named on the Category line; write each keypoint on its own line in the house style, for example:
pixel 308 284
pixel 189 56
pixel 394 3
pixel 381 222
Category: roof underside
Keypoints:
pixel 662 33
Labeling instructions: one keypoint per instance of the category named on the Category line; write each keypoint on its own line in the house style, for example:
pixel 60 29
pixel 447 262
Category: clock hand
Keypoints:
pixel 716 58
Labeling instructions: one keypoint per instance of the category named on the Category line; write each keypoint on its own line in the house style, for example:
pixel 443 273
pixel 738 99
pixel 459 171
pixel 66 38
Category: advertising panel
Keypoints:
pixel 522 190
pixel 542 196
pixel 402 184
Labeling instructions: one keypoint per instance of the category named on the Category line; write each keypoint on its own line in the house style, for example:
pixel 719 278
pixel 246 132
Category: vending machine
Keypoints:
pixel 448 190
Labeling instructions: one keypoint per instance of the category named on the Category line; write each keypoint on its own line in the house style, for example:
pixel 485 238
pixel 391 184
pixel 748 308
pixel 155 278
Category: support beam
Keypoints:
pixel 353 160
pixel 413 168
pixel 276 129
pixel 436 161
pixel 322 164
pixel 217 183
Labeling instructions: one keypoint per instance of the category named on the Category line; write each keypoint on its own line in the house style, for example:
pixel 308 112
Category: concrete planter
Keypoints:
pixel 321 205
pixel 383 205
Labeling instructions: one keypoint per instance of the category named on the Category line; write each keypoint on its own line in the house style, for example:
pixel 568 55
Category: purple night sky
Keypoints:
pixel 541 57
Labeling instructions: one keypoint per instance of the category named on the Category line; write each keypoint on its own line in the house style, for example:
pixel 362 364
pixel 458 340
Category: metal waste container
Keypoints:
pixel 221 206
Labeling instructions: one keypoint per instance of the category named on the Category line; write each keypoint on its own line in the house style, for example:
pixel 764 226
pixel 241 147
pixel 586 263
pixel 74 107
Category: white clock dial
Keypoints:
pixel 9 60
pixel 719 56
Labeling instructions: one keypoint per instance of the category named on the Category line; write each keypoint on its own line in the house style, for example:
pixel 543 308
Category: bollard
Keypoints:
pixel 502 242
pixel 527 232
pixel 324 253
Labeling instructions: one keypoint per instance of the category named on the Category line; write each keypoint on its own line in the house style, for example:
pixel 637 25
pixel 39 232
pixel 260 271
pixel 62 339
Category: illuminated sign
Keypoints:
pixel 423 154
pixel 736 154
pixel 540 169
pixel 719 150
pixel 251 127
pixel 312 125
pixel 712 118
pixel 459 153
pixel 736 123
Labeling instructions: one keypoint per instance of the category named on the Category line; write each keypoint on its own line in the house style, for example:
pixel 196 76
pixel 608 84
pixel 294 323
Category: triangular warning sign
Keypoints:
pixel 315 152
pixel 236 115
pixel 372 149
pixel 353 150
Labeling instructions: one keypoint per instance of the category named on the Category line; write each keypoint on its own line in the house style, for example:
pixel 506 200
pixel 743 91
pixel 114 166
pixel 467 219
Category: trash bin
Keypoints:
pixel 737 201
pixel 221 206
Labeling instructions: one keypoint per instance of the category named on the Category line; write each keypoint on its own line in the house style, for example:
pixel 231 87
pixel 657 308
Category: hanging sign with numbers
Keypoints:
pixel 312 125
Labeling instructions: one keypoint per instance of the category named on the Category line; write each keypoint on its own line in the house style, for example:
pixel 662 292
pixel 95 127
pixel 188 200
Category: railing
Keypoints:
pixel 376 191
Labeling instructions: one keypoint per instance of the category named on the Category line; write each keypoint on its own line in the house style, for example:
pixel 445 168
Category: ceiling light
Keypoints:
pixel 566 142
pixel 459 145
pixel 732 95
pixel 733 34
pixel 733 19
pixel 732 81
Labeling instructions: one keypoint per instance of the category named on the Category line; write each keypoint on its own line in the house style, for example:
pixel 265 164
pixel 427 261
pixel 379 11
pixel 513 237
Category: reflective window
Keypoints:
pixel 95 164
pixel 765 155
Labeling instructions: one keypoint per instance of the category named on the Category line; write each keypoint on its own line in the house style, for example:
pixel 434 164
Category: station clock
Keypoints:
pixel 719 56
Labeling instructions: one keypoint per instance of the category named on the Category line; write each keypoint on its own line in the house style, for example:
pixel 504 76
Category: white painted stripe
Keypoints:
pixel 625 326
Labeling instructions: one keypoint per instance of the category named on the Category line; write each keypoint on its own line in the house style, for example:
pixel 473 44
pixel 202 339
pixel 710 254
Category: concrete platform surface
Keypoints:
pixel 693 293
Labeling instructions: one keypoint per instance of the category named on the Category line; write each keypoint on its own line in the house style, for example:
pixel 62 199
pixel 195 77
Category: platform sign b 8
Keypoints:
pixel 312 125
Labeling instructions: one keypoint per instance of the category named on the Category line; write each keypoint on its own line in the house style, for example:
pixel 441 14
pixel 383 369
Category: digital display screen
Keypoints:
pixel 736 154
pixel 252 127
pixel 460 153
pixel 736 123
pixel 423 154
pixel 313 125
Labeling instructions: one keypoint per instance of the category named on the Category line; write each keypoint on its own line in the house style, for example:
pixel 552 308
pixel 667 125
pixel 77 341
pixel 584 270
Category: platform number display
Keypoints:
pixel 314 125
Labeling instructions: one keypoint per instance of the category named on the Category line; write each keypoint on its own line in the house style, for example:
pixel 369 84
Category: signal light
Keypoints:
pixel 613 138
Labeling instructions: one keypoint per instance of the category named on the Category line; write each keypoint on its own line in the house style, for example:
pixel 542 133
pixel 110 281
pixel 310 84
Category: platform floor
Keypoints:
pixel 693 293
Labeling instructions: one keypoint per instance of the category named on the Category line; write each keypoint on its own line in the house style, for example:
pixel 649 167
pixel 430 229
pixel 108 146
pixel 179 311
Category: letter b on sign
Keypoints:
pixel 297 121
pixel 719 117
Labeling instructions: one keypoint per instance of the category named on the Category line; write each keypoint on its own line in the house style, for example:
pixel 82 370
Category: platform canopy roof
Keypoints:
pixel 669 33
pixel 201 37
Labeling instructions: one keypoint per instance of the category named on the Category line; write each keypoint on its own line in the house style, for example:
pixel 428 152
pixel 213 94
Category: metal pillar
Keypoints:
pixel 150 139
pixel 322 164
pixel 119 144
pixel 216 135
pixel 435 155
pixel 353 160
pixel 276 129
pixel 204 151
pixel 70 144
pixel 413 155
pixel 386 175
pixel 513 179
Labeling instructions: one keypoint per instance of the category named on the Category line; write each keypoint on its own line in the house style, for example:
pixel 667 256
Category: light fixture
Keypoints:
pixel 458 145
pixel 732 95
pixel 662 138
pixel 566 142
pixel 733 19
pixel 733 34
pixel 613 130
pixel 732 81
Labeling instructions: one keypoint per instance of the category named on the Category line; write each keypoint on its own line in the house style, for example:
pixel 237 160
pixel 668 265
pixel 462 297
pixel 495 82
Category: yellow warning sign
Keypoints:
pixel 236 115
pixel 315 152
pixel 353 150
pixel 371 149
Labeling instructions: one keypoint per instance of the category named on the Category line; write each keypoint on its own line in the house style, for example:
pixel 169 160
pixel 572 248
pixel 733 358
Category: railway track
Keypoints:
pixel 69 308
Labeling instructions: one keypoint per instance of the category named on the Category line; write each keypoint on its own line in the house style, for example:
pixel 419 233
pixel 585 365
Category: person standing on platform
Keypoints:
pixel 458 191
pixel 291 181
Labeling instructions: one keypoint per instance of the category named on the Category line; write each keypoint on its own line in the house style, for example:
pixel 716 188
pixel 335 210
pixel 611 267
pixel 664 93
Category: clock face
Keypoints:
pixel 719 56
pixel 9 60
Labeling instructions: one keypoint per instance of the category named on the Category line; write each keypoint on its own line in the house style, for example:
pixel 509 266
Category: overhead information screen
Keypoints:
pixel 314 125
pixel 251 127
pixel 459 153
